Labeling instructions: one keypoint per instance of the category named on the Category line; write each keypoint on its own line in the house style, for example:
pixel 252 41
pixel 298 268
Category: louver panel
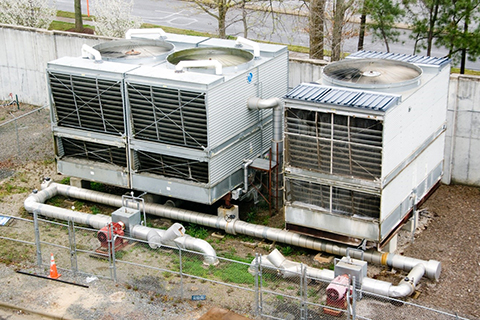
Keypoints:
pixel 334 144
pixel 340 200
pixel 170 116
pixel 88 103
pixel 173 167
pixel 93 151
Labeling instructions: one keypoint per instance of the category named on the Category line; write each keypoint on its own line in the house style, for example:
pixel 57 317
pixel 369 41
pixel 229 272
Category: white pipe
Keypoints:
pixel 432 267
pixel 199 64
pixel 159 31
pixel 154 237
pixel 88 52
pixel 245 175
pixel 256 48
pixel 291 269
pixel 276 104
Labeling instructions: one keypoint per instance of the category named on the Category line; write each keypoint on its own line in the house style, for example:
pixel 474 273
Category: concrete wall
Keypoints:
pixel 26 51
pixel 24 55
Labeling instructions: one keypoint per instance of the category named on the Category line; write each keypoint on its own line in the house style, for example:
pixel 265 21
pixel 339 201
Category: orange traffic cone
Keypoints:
pixel 53 269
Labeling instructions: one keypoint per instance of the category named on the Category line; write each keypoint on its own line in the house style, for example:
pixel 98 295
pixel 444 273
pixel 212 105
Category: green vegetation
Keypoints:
pixel 197 231
pixel 467 72
pixel 65 180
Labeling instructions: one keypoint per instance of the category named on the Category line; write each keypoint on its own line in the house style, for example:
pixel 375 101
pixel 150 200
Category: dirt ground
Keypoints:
pixel 448 232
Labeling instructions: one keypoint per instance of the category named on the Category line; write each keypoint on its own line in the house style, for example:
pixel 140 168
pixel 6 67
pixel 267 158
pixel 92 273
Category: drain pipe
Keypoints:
pixel 290 269
pixel 432 267
pixel 173 236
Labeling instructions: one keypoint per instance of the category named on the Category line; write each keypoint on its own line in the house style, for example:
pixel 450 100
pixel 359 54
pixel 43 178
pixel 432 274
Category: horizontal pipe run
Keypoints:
pixel 432 267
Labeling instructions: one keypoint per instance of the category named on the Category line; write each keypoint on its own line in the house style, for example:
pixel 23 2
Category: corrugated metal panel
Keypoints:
pixel 232 159
pixel 342 97
pixel 273 77
pixel 434 61
pixel 227 110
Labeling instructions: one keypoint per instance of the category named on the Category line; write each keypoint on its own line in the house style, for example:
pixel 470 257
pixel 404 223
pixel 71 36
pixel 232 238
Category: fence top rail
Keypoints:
pixel 22 116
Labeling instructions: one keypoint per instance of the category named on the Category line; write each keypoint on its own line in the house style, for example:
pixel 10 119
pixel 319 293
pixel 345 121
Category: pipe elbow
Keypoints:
pixel 195 244
pixel 403 289
pixel 256 103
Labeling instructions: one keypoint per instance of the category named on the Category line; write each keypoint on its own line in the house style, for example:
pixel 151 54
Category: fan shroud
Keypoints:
pixel 372 74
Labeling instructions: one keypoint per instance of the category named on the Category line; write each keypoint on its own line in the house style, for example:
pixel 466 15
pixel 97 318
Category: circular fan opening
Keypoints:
pixel 134 51
pixel 372 73
pixel 231 59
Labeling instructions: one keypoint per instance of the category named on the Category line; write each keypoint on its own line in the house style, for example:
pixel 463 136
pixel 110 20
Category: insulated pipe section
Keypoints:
pixel 432 267
pixel 242 41
pixel 155 237
pixel 255 103
pixel 291 269
pixel 88 52
pixel 199 64
pixel 138 32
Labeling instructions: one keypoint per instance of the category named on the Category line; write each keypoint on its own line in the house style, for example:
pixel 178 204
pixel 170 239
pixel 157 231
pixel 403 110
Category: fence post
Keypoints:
pixel 256 286
pixel 18 138
pixel 114 266
pixel 181 273
pixel 305 292
pixel 260 284
pixel 73 246
pixel 352 306
pixel 37 238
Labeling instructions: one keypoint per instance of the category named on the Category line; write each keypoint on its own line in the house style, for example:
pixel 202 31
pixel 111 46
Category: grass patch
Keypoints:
pixel 64 26
pixel 197 231
pixel 467 72
pixel 71 15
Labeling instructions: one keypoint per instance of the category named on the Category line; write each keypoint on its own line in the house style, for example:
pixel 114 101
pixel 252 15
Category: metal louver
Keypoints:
pixel 167 115
pixel 87 103
pixel 334 144
pixel 170 166
pixel 92 151
pixel 337 200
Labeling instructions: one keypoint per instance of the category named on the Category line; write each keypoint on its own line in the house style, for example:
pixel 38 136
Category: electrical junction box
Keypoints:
pixel 352 267
pixel 129 216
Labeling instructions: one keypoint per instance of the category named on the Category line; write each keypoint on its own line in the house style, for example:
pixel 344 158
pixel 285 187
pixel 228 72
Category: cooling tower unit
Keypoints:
pixel 173 122
pixel 365 146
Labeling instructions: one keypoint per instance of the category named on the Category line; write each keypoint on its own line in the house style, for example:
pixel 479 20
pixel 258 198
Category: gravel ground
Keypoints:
pixel 448 232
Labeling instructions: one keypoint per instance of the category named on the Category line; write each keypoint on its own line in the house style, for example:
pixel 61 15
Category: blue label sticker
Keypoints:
pixel 199 297
pixel 250 77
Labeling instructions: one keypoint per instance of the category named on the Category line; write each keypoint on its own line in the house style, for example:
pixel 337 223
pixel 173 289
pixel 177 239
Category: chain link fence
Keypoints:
pixel 247 287
pixel 25 135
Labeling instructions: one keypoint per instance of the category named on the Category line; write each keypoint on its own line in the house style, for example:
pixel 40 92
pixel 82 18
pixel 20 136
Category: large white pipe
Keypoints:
pixel 155 237
pixel 432 267
pixel 290 269
pixel 88 52
pixel 153 31
pixel 242 41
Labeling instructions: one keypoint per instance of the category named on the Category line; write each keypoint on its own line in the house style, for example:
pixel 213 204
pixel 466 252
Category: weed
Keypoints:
pixel 95 210
pixel 78 204
pixel 97 186
pixel 65 180
pixel 287 251
pixel 197 231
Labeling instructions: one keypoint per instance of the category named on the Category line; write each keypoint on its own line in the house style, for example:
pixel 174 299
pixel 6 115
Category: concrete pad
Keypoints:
pixel 221 314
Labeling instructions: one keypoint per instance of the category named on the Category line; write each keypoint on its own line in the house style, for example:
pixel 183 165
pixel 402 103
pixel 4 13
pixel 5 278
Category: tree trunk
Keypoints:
pixel 464 50
pixel 316 30
pixel 363 22
pixel 222 16
pixel 337 30
pixel 78 16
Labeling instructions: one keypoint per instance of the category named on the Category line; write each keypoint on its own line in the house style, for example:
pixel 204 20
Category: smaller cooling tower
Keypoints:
pixel 169 116
pixel 364 146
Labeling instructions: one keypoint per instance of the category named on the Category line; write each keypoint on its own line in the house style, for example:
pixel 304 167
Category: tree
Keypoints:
pixel 339 17
pixel 317 28
pixel 78 16
pixel 29 13
pixel 384 15
pixel 218 9
pixel 457 17
pixel 113 18
pixel 425 23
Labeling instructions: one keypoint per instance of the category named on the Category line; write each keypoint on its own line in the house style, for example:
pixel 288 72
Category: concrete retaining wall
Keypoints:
pixel 26 51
